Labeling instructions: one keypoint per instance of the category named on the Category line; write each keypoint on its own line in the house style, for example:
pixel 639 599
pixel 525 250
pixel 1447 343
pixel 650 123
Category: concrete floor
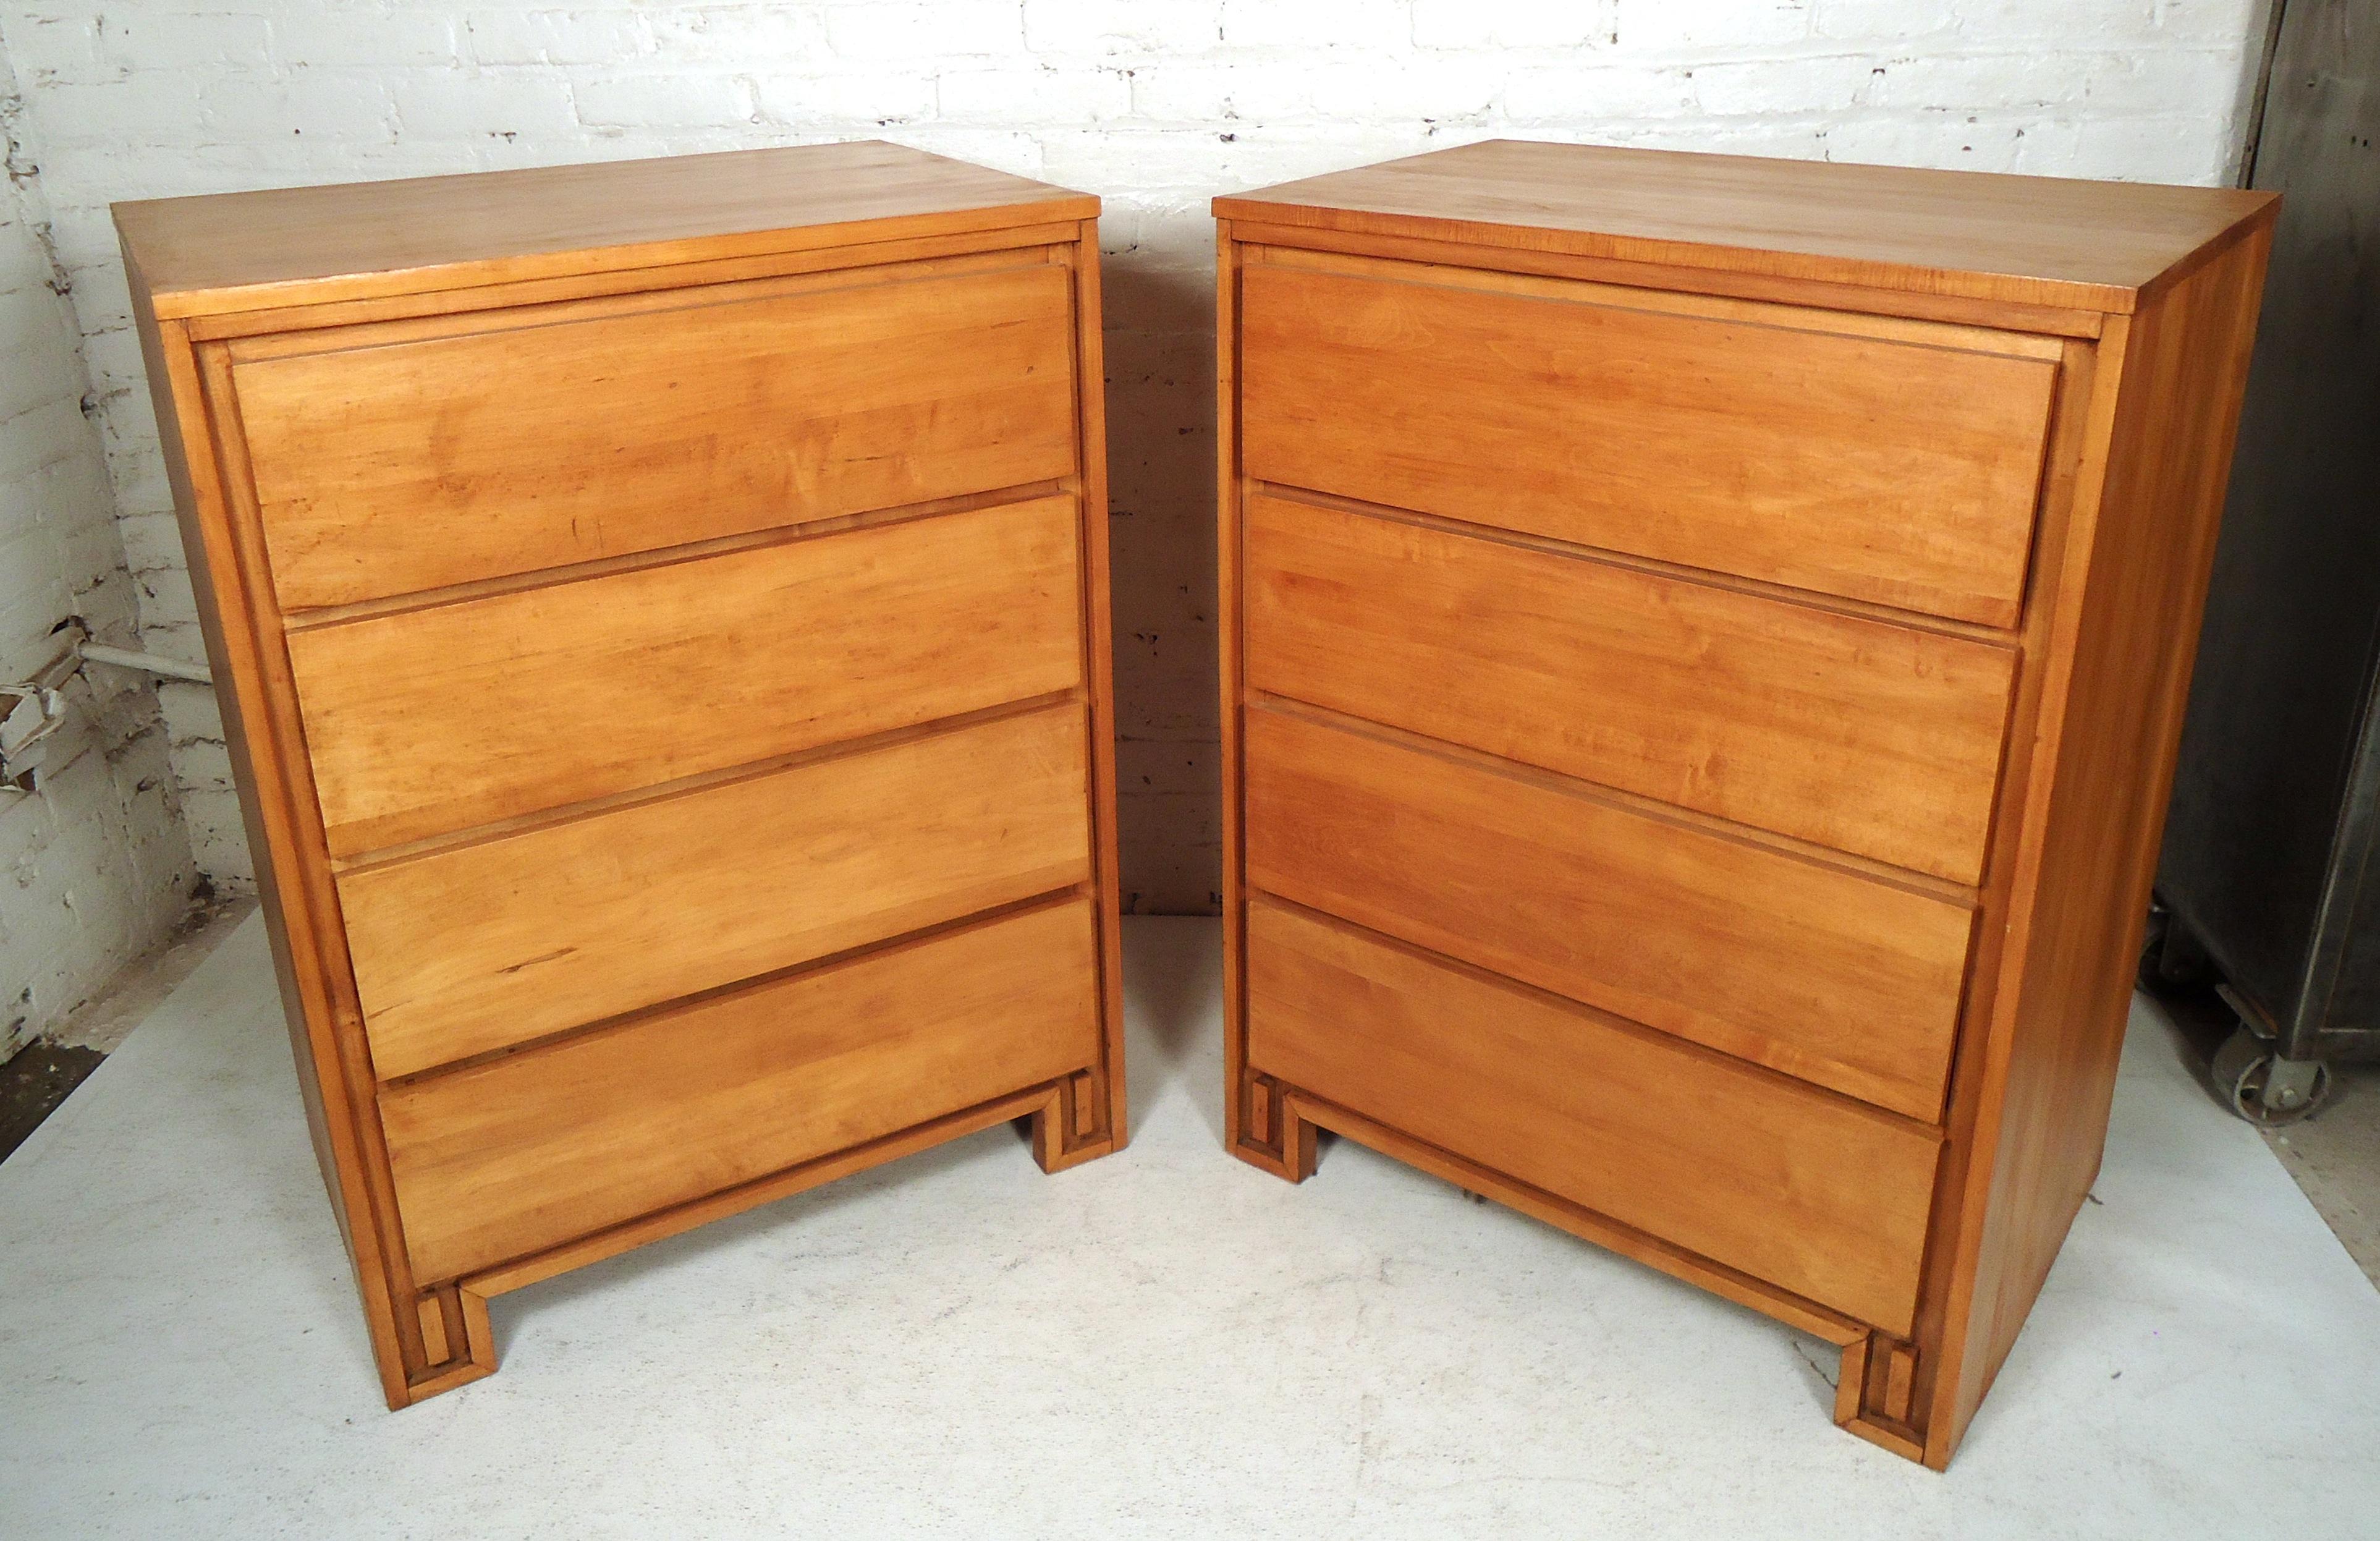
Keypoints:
pixel 1163 1342
pixel 2334 1155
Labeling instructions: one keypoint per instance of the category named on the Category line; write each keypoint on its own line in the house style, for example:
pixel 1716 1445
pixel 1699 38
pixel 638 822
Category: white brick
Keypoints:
pixel 1380 25
pixel 447 104
pixel 1735 25
pixel 1895 24
pixel 1102 27
pixel 56 48
pixel 1039 96
pixel 845 103
pixel 159 109
pixel 912 32
pixel 144 38
pixel 339 107
pixel 1512 23
pixel 1956 83
pixel 664 100
pixel 772 36
pixel 555 37
pixel 2165 81
pixel 152 541
pixel 1587 95
pixel 1823 84
pixel 345 36
pixel 2082 23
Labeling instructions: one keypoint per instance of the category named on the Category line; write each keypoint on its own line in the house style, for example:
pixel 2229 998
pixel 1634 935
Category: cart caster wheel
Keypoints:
pixel 2243 1073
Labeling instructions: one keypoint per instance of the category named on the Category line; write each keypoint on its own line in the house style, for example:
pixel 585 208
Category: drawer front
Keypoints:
pixel 432 721
pixel 487 945
pixel 1823 973
pixel 395 465
pixel 1857 466
pixel 1869 738
pixel 1811 1193
pixel 501 1160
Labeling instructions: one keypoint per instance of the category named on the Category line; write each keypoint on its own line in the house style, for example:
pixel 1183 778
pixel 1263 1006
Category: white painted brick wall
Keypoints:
pixel 1155 104
pixel 94 867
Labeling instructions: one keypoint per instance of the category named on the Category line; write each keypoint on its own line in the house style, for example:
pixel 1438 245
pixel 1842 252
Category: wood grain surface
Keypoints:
pixel 2038 240
pixel 487 945
pixel 393 466
pixel 1646 1130
pixel 424 722
pixel 1825 975
pixel 501 1159
pixel 1876 739
pixel 1850 464
pixel 311 245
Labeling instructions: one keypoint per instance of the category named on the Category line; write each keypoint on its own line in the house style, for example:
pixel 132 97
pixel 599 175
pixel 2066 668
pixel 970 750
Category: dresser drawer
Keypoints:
pixel 501 1159
pixel 1837 978
pixel 1873 738
pixel 1862 466
pixel 402 462
pixel 432 721
pixel 1813 1192
pixel 487 945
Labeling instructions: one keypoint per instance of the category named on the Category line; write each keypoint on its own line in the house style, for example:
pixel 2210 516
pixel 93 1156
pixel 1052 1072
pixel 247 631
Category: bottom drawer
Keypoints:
pixel 505 1159
pixel 1811 1192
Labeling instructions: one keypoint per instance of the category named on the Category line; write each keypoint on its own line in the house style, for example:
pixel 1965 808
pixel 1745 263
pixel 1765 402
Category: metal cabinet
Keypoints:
pixel 2266 881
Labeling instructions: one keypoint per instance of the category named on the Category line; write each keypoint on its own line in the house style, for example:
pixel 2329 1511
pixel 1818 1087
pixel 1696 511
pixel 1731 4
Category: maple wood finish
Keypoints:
pixel 1703 644
pixel 660 612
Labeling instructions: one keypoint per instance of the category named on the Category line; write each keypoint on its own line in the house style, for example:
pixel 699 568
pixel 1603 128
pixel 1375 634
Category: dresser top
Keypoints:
pixel 2021 239
pixel 299 245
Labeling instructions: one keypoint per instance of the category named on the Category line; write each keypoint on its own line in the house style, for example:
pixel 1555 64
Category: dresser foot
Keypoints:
pixel 1074 1126
pixel 1270 1134
pixel 457 1347
pixel 1874 1396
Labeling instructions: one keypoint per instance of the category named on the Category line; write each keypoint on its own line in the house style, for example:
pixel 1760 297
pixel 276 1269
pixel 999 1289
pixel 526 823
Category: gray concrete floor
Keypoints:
pixel 2334 1155
pixel 46 1072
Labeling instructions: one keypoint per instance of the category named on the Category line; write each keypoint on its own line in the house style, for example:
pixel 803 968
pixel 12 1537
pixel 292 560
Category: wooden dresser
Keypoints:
pixel 1703 643
pixel 660 612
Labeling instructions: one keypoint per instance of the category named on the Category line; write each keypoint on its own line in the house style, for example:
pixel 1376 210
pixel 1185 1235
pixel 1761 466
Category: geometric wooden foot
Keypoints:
pixel 1073 1126
pixel 1271 1135
pixel 457 1347
pixel 1876 1393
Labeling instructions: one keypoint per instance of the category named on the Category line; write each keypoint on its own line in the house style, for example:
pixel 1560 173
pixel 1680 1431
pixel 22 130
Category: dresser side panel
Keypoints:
pixel 2058 1036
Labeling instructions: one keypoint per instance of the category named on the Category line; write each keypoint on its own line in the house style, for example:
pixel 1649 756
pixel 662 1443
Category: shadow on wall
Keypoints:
pixel 1161 397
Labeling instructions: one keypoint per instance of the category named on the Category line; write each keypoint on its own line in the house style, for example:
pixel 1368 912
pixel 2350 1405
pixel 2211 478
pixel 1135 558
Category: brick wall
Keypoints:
pixel 94 868
pixel 1155 104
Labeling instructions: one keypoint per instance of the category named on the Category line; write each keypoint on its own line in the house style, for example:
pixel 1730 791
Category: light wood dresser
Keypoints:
pixel 660 612
pixel 1703 644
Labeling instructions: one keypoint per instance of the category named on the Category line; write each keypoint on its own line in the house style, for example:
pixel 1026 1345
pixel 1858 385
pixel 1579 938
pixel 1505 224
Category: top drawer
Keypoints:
pixel 1894 470
pixel 387 461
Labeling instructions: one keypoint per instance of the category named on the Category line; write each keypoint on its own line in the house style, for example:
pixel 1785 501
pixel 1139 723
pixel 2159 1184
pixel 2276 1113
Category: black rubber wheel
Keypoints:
pixel 2239 1071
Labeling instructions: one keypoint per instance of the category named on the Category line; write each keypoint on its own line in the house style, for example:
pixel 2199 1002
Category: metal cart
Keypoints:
pixel 2268 882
